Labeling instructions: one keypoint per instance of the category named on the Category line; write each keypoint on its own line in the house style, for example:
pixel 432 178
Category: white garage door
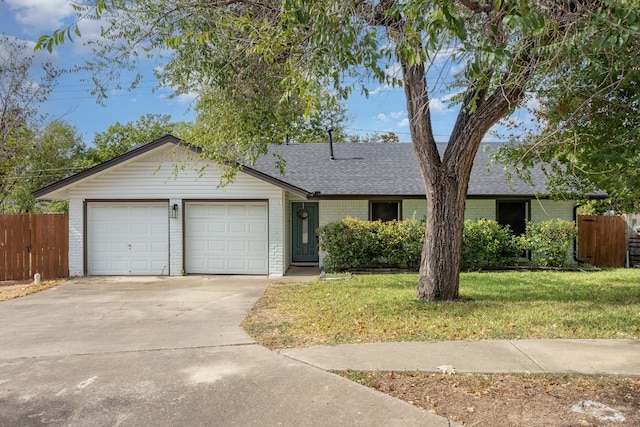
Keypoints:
pixel 226 238
pixel 127 238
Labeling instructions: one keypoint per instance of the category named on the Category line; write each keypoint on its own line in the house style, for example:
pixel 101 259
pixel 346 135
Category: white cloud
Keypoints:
pixel 404 122
pixel 382 88
pixel 183 98
pixel 382 117
pixel 186 98
pixel 437 106
pixel 397 114
pixel 41 15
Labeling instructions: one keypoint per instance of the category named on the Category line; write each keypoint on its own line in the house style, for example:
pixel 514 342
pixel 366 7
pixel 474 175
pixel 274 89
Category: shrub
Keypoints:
pixel 349 243
pixel 412 232
pixel 549 242
pixel 353 243
pixel 485 243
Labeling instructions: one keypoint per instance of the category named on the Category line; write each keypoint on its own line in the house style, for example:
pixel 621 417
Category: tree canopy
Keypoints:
pixel 119 138
pixel 23 88
pixel 268 61
pixel 588 122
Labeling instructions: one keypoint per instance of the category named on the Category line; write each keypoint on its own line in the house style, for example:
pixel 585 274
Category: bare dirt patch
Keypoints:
pixel 509 400
pixel 17 289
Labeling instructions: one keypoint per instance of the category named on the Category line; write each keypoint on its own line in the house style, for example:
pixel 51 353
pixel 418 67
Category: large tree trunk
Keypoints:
pixel 440 265
pixel 446 175
pixel 446 185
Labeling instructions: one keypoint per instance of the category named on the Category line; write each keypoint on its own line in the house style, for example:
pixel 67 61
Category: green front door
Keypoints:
pixel 304 222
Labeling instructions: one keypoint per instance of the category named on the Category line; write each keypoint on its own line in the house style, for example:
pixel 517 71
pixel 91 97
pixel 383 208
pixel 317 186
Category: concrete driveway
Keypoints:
pixel 165 351
pixel 111 314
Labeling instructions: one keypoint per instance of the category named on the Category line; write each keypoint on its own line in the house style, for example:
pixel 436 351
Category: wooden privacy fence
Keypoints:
pixel 602 240
pixel 31 244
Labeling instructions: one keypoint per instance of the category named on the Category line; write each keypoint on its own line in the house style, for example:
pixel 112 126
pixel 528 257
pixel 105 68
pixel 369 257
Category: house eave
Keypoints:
pixel 276 182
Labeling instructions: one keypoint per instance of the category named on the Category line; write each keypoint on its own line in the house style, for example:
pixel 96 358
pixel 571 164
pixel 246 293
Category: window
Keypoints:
pixel 384 211
pixel 514 214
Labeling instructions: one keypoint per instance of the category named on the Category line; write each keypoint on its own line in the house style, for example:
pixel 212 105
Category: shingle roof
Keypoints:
pixel 358 170
pixel 382 170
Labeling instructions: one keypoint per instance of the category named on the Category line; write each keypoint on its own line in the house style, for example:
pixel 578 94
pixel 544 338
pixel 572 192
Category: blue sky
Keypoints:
pixel 71 101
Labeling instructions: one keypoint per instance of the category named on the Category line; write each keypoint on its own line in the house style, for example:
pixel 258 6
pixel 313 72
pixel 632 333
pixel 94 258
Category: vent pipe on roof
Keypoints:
pixel 331 157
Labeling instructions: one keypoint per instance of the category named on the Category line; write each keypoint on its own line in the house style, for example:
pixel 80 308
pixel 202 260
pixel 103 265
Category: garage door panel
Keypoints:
pixel 235 232
pixel 238 210
pixel 139 266
pixel 257 263
pixel 257 247
pixel 238 227
pixel 198 227
pixel 257 211
pixel 157 247
pixel 115 248
pixel 237 246
pixel 215 264
pixel 214 211
pixel 257 228
pixel 216 227
pixel 127 238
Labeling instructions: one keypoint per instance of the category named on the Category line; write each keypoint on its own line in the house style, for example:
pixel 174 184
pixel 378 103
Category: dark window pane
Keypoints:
pixel 513 214
pixel 384 211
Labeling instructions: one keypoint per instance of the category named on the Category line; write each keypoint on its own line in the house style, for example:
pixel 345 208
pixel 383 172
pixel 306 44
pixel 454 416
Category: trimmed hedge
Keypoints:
pixel 486 244
pixel 352 243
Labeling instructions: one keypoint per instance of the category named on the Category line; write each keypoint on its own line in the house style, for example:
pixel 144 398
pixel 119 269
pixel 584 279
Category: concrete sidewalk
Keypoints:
pixel 589 357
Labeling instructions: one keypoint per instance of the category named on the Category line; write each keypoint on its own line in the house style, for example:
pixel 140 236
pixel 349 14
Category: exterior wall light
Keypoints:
pixel 173 212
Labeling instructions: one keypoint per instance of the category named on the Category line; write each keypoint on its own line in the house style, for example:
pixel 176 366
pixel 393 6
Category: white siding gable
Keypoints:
pixel 170 172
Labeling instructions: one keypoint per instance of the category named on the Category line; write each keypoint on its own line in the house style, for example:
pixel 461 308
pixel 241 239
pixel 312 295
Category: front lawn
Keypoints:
pixel 504 305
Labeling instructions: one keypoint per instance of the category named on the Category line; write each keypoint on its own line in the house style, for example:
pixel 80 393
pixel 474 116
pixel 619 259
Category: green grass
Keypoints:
pixel 505 305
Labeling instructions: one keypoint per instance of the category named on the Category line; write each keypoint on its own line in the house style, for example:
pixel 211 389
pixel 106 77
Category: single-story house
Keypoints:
pixel 159 209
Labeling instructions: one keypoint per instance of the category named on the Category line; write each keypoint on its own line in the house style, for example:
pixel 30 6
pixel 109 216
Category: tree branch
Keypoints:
pixel 476 7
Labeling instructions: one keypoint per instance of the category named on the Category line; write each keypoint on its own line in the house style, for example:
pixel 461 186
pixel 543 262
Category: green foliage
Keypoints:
pixel 485 244
pixel 588 123
pixel 119 138
pixel 53 154
pixel 354 243
pixel 24 86
pixel 375 137
pixel 549 242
